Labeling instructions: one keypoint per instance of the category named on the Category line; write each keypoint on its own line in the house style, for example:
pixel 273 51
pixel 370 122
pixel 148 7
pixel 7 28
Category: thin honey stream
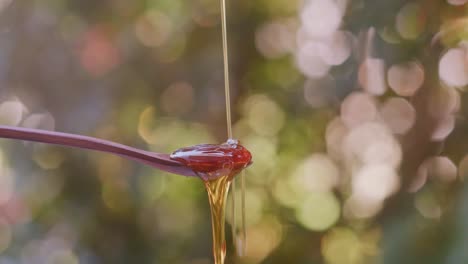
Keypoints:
pixel 217 165
pixel 242 241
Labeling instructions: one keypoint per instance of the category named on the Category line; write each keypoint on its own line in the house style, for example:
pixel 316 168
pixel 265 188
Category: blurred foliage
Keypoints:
pixel 355 112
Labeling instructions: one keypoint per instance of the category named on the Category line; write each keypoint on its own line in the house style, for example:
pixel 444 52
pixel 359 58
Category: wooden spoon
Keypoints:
pixel 157 160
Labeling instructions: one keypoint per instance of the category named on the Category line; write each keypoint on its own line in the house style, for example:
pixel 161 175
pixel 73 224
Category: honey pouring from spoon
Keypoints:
pixel 216 165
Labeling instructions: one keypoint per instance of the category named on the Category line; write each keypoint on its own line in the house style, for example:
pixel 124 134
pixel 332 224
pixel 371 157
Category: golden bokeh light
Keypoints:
pixel 263 239
pixel 398 114
pixel 171 134
pixel 427 204
pixel 321 18
pixel 334 135
pixel 453 67
pixel 407 78
pixel 336 49
pixel 375 182
pixel 146 125
pixel 389 35
pixel 411 21
pixel 285 194
pixel 12 112
pixel 372 143
pixel 443 128
pixel 341 245
pixel 436 168
pixel 440 168
pixel 276 38
pixel 358 108
pixel 321 44
pixel 333 50
pixel 317 173
pixel 265 151
pixel 264 115
pixel 153 28
pixel 443 101
pixel 318 211
pixel 344 245
pixel 47 157
pixel 419 180
pixel 309 61
pixel 40 121
pixel 358 206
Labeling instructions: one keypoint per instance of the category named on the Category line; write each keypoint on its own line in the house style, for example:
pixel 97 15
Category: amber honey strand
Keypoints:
pixel 227 93
pixel 226 69
pixel 217 194
pixel 243 247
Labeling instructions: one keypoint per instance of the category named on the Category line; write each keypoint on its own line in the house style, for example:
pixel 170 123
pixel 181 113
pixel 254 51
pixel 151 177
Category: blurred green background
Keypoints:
pixel 355 113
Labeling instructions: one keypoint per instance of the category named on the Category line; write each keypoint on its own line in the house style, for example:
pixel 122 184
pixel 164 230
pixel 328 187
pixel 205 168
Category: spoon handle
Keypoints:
pixel 157 160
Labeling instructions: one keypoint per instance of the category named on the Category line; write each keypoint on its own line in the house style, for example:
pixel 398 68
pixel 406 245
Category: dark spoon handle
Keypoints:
pixel 157 160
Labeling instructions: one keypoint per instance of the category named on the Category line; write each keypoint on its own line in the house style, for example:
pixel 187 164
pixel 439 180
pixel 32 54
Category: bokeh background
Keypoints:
pixel 355 112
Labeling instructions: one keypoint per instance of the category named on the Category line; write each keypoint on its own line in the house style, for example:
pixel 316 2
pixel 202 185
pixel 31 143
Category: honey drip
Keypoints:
pixel 217 194
pixel 242 247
